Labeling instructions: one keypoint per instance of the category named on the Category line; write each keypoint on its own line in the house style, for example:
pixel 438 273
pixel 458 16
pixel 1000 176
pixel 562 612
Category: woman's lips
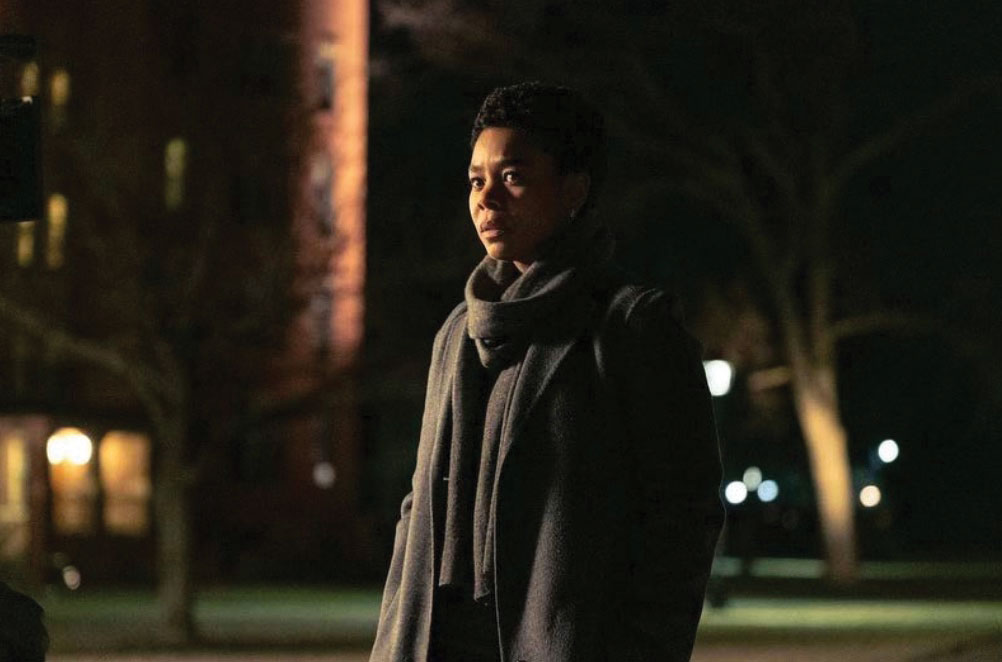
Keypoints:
pixel 492 230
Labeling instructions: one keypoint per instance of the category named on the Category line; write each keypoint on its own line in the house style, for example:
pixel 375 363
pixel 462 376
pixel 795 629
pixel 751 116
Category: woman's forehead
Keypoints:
pixel 504 145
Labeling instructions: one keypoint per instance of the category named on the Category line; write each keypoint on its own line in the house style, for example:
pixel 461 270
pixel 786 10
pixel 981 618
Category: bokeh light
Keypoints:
pixel 718 376
pixel 752 478
pixel 69 445
pixel 735 492
pixel 887 451
pixel 71 577
pixel 768 490
pixel 869 496
pixel 324 475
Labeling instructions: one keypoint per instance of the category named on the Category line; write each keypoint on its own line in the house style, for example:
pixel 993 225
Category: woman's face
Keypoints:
pixel 518 198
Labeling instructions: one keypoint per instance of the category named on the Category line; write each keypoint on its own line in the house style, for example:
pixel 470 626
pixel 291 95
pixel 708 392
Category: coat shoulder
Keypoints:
pixel 640 317
pixel 628 300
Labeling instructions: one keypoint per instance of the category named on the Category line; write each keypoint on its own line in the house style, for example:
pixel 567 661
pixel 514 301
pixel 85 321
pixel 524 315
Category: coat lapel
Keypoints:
pixel 439 460
pixel 542 359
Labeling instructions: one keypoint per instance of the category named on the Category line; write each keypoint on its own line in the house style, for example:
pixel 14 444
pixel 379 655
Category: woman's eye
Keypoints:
pixel 512 177
pixel 476 182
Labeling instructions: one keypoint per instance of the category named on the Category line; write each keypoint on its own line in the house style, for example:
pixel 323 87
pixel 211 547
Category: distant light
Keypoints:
pixel 30 80
pixel 718 376
pixel 752 478
pixel 25 243
pixel 69 445
pixel 59 87
pixel 735 492
pixel 56 220
pixel 324 475
pixel 71 577
pixel 175 162
pixel 869 496
pixel 768 490
pixel 888 450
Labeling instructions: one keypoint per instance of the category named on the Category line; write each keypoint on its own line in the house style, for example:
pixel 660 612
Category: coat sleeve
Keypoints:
pixel 397 560
pixel 395 573
pixel 675 513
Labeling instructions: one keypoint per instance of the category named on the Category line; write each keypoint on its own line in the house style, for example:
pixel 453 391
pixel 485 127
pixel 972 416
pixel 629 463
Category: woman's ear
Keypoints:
pixel 576 187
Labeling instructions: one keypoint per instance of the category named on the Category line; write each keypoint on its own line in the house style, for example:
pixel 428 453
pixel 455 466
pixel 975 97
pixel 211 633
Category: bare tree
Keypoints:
pixel 775 167
pixel 178 154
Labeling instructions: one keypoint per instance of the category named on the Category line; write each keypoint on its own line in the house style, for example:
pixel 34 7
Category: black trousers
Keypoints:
pixel 463 630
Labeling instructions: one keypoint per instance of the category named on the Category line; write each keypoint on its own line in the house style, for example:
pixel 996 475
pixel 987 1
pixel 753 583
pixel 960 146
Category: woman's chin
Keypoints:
pixel 499 251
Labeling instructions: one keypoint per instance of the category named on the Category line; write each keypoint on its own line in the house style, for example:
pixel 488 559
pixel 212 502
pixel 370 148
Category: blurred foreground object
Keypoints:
pixel 22 635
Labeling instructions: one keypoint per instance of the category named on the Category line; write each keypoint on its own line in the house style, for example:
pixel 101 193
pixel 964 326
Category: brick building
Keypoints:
pixel 178 135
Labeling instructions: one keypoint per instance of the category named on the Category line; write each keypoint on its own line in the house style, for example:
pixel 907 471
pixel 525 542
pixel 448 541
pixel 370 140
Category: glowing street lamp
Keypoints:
pixel 752 478
pixel 887 451
pixel 768 490
pixel 719 375
pixel 69 445
pixel 869 496
pixel 735 492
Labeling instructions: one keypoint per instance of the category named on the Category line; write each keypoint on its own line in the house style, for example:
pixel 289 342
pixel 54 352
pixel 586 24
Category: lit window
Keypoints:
pixel 321 176
pixel 59 88
pixel 13 497
pixel 125 482
pixel 324 70
pixel 74 491
pixel 175 161
pixel 321 311
pixel 56 217
pixel 30 76
pixel 25 243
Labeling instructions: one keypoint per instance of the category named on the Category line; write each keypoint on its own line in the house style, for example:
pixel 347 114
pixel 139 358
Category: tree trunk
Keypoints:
pixel 174 540
pixel 828 452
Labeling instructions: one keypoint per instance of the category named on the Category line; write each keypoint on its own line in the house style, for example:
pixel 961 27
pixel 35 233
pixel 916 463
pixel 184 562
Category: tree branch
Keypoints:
pixel 908 323
pixel 914 123
pixel 61 341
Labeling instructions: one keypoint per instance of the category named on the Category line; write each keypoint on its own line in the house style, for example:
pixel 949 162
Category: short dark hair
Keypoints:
pixel 557 119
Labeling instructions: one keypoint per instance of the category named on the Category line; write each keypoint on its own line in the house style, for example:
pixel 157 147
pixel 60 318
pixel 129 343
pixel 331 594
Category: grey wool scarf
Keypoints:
pixel 506 311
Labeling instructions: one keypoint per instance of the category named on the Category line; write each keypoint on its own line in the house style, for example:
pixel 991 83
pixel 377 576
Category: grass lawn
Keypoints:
pixel 282 616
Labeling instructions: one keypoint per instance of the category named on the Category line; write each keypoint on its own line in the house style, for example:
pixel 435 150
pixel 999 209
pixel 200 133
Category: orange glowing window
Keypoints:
pixel 56 217
pixel 13 497
pixel 175 162
pixel 25 243
pixel 71 474
pixel 59 87
pixel 30 82
pixel 124 460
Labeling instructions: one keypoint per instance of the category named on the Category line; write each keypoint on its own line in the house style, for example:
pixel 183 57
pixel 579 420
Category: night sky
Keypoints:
pixel 920 228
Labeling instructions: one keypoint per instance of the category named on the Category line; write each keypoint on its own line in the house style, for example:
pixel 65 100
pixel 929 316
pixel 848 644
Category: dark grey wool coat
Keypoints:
pixel 607 492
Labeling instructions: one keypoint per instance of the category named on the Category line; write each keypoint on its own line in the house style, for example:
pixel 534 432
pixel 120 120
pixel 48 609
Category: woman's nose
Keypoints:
pixel 488 196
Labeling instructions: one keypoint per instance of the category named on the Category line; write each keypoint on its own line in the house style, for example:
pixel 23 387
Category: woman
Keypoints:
pixel 565 504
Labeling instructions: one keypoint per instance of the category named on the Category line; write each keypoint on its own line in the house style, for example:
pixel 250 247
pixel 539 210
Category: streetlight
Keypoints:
pixel 735 492
pixel 69 445
pixel 768 490
pixel 887 451
pixel 869 496
pixel 752 478
pixel 719 375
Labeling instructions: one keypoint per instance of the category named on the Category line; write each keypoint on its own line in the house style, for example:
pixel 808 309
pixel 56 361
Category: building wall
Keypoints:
pixel 184 120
